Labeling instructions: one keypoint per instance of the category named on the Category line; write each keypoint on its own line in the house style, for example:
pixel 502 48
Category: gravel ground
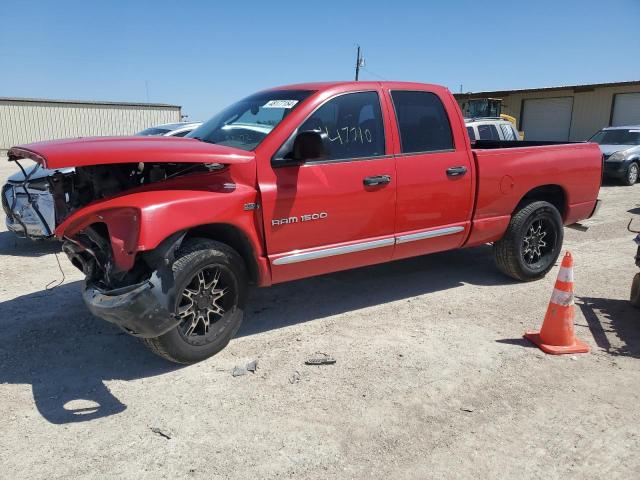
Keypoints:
pixel 432 378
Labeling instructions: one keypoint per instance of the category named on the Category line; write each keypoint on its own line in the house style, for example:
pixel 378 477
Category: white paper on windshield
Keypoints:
pixel 280 104
pixel 635 131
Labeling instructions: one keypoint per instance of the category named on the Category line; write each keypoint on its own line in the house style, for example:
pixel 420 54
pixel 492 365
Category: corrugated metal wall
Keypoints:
pixel 591 108
pixel 31 121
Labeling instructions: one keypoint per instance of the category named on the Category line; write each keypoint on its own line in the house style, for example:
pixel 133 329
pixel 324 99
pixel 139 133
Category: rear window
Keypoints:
pixel 471 133
pixel 153 132
pixel 507 132
pixel 181 134
pixel 488 132
pixel 423 122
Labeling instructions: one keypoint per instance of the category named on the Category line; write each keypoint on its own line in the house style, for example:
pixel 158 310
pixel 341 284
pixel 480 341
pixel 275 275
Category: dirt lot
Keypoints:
pixel 432 378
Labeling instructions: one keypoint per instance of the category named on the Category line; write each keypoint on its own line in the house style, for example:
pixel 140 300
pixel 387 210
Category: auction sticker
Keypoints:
pixel 280 104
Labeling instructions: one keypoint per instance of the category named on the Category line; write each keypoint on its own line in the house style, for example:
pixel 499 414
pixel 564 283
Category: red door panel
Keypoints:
pixel 435 175
pixel 314 208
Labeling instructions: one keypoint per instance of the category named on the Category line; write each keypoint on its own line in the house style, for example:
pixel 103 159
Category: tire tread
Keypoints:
pixel 506 250
pixel 188 251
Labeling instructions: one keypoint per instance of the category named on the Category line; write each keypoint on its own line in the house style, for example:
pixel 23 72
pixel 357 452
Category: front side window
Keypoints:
pixel 422 121
pixel 248 122
pixel 351 125
pixel 488 132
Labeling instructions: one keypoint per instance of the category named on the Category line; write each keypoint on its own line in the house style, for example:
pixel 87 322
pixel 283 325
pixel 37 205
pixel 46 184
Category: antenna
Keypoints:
pixel 359 63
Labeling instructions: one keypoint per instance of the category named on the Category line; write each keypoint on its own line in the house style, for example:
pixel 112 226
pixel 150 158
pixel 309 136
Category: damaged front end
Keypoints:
pixel 140 300
pixel 98 209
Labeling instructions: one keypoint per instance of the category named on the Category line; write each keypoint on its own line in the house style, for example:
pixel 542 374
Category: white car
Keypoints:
pixel 490 128
pixel 32 200
pixel 179 129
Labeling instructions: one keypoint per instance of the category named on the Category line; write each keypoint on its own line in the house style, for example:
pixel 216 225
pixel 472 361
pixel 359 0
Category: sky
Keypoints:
pixel 203 55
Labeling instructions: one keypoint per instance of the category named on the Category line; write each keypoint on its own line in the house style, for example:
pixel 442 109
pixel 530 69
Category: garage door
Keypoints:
pixel 547 118
pixel 626 109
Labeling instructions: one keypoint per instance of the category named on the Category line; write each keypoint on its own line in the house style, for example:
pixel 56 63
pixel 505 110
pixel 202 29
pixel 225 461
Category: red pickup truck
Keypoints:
pixel 293 182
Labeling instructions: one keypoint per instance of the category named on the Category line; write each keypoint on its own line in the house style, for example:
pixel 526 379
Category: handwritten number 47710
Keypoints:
pixel 350 135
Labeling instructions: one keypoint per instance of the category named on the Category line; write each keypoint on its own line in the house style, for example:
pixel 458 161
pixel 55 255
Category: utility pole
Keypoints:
pixel 359 63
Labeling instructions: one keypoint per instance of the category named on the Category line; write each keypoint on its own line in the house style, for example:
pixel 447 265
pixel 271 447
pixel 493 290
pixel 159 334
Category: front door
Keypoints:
pixel 434 174
pixel 338 212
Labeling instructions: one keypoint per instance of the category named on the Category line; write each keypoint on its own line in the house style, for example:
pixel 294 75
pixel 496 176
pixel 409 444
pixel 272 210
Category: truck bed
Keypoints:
pixel 491 144
pixel 510 171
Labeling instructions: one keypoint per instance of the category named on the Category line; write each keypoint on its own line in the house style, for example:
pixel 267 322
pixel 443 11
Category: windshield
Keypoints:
pixel 152 132
pixel 617 137
pixel 247 122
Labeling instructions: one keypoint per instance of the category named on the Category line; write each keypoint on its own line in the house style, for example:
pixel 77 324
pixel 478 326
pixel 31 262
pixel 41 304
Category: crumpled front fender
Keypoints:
pixel 141 221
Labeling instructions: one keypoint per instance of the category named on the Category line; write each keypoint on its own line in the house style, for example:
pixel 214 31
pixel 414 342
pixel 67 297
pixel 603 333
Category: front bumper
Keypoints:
pixel 615 169
pixel 141 309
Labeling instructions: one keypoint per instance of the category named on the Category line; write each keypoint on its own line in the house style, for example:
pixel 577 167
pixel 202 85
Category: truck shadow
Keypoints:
pixel 606 316
pixel 50 341
pixel 303 300
pixel 14 246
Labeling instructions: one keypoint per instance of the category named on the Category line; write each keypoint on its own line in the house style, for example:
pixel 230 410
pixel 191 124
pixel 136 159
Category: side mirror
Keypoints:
pixel 309 145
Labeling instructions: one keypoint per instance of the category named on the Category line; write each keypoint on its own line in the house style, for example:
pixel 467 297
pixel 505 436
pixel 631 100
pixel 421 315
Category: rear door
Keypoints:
pixel 338 212
pixel 435 175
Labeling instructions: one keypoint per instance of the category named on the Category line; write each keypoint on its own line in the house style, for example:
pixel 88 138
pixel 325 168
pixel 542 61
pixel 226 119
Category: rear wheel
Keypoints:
pixel 532 242
pixel 210 294
pixel 631 176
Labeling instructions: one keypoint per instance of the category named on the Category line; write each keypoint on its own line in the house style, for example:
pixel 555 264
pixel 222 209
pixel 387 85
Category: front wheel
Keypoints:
pixel 210 292
pixel 631 176
pixel 532 242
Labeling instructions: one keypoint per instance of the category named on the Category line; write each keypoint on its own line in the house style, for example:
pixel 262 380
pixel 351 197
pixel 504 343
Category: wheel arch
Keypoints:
pixel 235 238
pixel 552 193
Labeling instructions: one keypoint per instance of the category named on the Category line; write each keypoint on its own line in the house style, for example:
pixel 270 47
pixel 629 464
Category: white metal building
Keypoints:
pixel 573 112
pixel 25 120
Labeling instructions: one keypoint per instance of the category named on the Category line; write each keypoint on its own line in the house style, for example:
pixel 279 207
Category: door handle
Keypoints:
pixel 456 171
pixel 376 180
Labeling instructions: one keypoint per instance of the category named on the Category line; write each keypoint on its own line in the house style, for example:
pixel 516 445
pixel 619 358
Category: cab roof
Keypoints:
pixel 349 85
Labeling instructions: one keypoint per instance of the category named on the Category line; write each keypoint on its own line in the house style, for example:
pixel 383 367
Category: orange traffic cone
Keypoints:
pixel 557 336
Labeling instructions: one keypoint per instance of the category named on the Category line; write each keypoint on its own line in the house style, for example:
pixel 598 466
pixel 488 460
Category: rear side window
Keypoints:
pixel 507 132
pixel 352 124
pixel 471 133
pixel 422 121
pixel 488 132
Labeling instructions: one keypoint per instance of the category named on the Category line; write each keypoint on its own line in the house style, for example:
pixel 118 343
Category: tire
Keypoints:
pixel 209 277
pixel 635 291
pixel 518 254
pixel 631 175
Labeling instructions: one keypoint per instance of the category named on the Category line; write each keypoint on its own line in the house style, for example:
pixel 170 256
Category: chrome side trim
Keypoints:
pixel 412 237
pixel 330 252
